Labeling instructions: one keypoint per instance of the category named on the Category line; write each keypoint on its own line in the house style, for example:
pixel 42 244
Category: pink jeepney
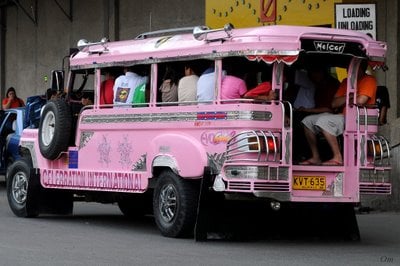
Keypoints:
pixel 172 155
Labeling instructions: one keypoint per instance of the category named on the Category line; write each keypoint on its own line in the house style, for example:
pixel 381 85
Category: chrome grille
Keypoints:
pixel 374 176
pixel 258 186
pixel 257 172
pixel 384 189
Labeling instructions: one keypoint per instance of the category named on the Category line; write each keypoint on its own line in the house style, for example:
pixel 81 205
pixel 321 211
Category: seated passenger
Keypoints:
pixel 325 88
pixel 383 102
pixel 332 125
pixel 306 91
pixel 262 91
pixel 125 86
pixel 141 95
pixel 51 94
pixel 169 86
pixel 87 99
pixel 187 86
pixel 106 88
pixel 206 85
pixel 232 87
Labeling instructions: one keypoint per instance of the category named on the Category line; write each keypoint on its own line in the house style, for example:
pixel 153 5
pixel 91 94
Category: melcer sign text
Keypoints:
pixel 329 47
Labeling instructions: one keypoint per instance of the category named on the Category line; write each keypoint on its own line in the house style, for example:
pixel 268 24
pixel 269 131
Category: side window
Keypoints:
pixel 179 81
pixel 80 82
pixel 246 79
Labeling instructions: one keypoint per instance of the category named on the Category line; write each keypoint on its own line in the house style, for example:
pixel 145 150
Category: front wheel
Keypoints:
pixel 175 203
pixel 22 190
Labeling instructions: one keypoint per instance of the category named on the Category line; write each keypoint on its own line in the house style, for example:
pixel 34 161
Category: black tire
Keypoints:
pixel 175 202
pixel 54 129
pixel 22 189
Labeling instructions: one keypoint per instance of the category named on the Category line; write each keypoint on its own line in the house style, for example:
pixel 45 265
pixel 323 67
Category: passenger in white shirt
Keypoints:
pixel 206 85
pixel 125 85
pixel 187 86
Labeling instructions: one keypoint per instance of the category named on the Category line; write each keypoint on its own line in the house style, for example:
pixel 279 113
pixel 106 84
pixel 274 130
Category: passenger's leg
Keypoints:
pixel 331 127
pixel 312 141
pixel 310 133
pixel 334 144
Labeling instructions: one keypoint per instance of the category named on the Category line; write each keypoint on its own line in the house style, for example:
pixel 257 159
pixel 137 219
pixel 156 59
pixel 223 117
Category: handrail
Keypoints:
pixel 164 32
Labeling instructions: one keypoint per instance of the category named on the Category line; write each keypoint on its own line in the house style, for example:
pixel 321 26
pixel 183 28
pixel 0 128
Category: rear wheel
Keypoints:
pixel 175 203
pixel 54 129
pixel 22 189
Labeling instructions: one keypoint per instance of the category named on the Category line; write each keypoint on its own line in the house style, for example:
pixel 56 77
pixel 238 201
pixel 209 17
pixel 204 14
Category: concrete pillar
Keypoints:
pixel 3 27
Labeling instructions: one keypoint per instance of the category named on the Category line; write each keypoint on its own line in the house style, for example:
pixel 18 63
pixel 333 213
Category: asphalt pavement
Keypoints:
pixel 98 234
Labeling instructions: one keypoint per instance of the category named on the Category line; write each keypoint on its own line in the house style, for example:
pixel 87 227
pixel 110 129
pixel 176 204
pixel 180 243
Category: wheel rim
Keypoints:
pixel 19 187
pixel 48 128
pixel 168 202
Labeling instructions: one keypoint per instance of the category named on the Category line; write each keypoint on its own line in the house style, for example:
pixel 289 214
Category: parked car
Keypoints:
pixel 12 122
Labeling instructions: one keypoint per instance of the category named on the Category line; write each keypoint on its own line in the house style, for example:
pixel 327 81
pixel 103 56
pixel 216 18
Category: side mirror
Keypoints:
pixel 57 80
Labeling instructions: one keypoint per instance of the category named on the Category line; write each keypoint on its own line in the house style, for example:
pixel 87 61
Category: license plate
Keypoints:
pixel 309 182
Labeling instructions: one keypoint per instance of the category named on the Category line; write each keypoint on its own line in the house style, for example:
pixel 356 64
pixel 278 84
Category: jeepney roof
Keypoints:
pixel 267 40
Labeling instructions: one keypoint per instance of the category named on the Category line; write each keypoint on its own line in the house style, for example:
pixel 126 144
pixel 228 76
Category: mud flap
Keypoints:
pixel 50 201
pixel 327 221
pixel 346 219
pixel 214 213
pixel 203 208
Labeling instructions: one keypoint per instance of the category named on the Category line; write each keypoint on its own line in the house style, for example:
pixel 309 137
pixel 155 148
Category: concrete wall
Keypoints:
pixel 32 51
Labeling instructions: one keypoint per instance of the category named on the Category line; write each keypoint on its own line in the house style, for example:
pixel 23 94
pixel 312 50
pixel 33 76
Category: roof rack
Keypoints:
pixel 156 33
pixel 199 32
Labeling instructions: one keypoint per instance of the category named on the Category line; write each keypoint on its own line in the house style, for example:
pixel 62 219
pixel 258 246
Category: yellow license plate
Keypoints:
pixel 309 182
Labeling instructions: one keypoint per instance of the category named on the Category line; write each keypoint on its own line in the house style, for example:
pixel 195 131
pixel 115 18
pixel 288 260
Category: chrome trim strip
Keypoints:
pixel 174 117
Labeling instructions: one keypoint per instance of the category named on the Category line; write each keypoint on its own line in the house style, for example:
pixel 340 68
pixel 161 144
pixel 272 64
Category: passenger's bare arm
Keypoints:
pixel 338 102
pixel 362 99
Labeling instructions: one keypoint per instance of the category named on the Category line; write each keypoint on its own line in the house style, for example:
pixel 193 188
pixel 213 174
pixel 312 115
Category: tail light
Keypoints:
pixel 374 149
pixel 263 144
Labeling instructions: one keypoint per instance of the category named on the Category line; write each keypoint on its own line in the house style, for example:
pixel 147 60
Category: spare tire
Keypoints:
pixel 54 129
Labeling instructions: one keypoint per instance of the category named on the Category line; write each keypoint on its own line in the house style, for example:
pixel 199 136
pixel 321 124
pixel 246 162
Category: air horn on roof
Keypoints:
pixel 200 32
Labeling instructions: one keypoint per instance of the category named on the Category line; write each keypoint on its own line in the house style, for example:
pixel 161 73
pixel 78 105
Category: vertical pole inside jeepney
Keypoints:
pixel 97 84
pixel 287 136
pixel 218 80
pixel 153 84
pixel 3 27
pixel 352 77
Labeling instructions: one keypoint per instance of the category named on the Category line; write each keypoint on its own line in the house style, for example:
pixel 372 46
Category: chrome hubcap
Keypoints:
pixel 168 203
pixel 48 128
pixel 19 187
